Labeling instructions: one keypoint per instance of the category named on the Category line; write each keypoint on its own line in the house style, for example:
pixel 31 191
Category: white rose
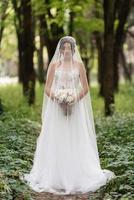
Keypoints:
pixel 70 98
pixel 63 96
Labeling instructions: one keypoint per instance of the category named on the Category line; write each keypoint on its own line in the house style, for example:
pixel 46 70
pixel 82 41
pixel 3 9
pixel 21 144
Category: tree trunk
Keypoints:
pixel 98 39
pixel 51 42
pixel 3 15
pixel 18 25
pixel 86 60
pixel 52 33
pixel 71 21
pixel 27 51
pixel 1 107
pixel 108 89
pixel 25 36
pixel 41 72
pixel 124 8
pixel 127 72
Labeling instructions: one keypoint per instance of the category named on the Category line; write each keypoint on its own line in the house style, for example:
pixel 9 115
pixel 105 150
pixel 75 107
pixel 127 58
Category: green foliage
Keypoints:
pixel 115 142
pixel 89 25
pixel 17 143
pixel 53 12
pixel 8 50
pixel 38 7
pixel 20 126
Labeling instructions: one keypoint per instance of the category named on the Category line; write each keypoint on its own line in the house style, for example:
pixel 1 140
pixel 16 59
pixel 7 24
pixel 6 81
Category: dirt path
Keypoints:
pixel 50 196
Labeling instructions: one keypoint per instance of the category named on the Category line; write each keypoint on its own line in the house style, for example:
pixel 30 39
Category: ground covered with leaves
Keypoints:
pixel 20 127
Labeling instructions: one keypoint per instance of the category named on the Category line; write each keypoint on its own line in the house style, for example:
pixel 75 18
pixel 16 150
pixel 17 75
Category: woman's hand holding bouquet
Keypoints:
pixel 66 96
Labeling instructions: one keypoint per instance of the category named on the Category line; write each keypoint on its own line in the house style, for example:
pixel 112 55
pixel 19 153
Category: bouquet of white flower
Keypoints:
pixel 65 95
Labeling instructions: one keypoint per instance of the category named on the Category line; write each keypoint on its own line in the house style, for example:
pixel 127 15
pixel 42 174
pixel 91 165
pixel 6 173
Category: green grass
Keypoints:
pixel 20 125
pixel 123 100
pixel 15 104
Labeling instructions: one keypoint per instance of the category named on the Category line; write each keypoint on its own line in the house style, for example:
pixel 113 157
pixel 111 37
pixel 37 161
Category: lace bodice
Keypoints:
pixel 67 79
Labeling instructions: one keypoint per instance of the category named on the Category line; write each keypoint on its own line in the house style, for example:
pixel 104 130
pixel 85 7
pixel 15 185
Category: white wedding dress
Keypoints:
pixel 66 160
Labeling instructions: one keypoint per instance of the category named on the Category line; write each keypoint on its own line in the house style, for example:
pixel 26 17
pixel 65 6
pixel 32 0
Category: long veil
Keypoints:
pixel 62 83
pixel 66 158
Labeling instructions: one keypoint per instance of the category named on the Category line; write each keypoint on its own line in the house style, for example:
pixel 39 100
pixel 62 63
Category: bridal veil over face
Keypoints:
pixel 66 159
pixel 61 77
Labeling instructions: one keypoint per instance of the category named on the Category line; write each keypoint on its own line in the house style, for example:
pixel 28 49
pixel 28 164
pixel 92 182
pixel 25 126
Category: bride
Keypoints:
pixel 66 159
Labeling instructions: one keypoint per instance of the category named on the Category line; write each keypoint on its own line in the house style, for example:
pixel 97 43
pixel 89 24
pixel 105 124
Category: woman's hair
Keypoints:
pixel 68 40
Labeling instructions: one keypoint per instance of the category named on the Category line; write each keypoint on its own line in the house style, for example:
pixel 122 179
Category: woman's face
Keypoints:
pixel 66 50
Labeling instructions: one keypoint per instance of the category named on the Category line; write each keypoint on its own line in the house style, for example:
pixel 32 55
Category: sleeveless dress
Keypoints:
pixel 66 159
